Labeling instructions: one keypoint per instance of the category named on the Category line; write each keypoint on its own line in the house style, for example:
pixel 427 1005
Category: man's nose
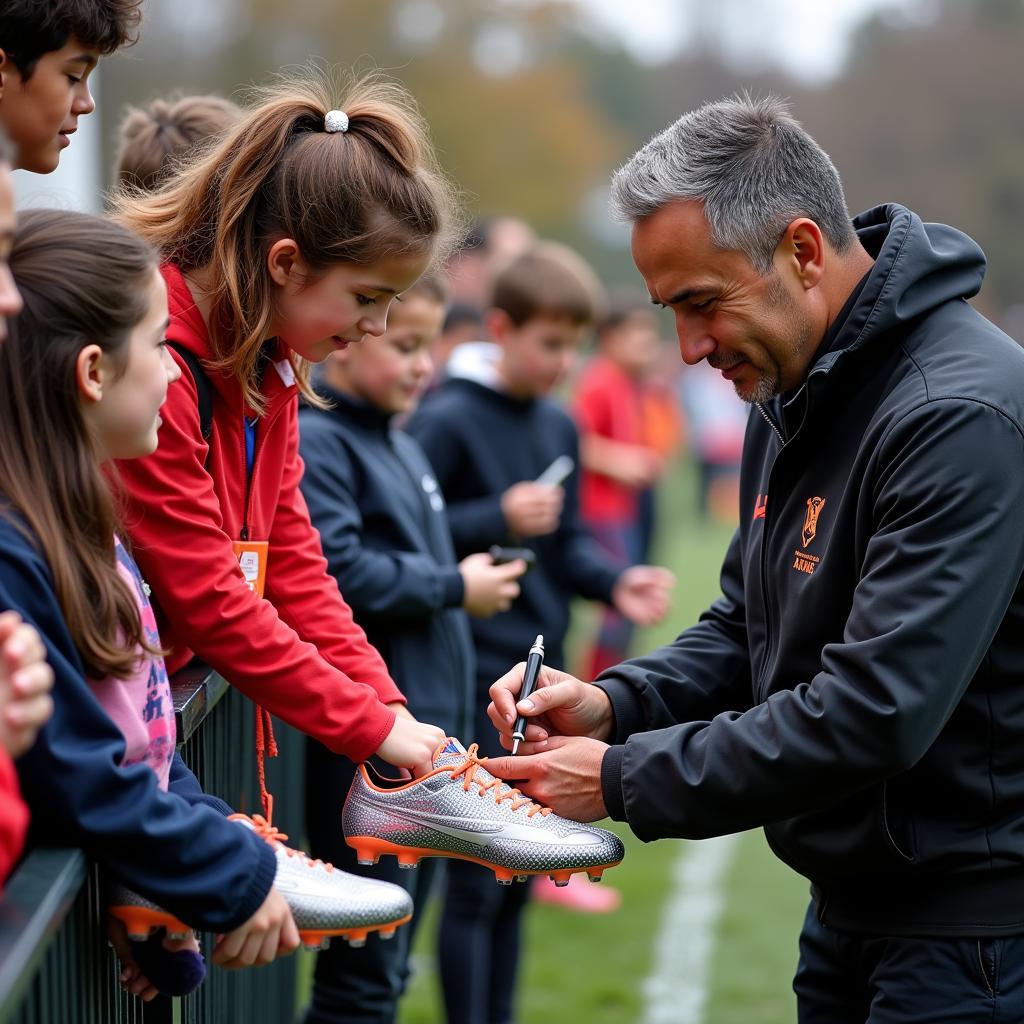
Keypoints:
pixel 695 343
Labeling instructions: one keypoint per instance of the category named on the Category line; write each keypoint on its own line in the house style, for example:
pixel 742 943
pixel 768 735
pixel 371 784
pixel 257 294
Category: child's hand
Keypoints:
pixel 411 744
pixel 489 588
pixel 132 980
pixel 25 683
pixel 531 509
pixel 638 466
pixel 642 594
pixel 268 934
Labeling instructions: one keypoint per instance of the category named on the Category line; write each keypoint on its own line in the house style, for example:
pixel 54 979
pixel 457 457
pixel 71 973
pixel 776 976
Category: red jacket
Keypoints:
pixel 13 817
pixel 298 653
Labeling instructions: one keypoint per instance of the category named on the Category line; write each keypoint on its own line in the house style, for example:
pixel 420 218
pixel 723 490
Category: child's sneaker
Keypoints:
pixel 326 901
pixel 460 810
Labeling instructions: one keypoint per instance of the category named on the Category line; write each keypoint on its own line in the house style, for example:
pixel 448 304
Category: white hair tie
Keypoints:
pixel 336 121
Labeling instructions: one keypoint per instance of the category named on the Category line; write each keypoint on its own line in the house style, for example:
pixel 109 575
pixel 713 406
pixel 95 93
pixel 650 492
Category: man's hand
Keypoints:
pixel 565 777
pixel 410 744
pixel 642 594
pixel 268 934
pixel 489 588
pixel 561 705
pixel 531 509
pixel 25 683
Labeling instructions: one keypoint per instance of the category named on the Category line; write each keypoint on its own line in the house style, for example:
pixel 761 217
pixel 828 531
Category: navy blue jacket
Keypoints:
pixel 184 856
pixel 373 498
pixel 858 688
pixel 480 442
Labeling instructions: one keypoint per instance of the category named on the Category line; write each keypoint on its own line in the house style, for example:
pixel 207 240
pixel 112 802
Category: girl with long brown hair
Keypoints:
pixel 286 241
pixel 83 372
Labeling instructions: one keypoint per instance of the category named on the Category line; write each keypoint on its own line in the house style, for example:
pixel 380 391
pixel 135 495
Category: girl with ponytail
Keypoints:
pixel 287 240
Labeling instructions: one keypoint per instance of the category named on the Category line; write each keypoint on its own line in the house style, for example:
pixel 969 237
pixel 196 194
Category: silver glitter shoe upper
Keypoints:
pixel 325 898
pixel 463 809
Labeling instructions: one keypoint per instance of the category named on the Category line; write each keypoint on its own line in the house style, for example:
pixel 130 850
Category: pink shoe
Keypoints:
pixel 579 895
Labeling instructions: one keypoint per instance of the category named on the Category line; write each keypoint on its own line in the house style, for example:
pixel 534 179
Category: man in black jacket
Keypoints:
pixel 857 688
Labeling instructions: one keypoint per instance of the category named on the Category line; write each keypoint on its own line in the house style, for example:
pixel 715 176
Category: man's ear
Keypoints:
pixel 802 249
pixel 285 264
pixel 90 373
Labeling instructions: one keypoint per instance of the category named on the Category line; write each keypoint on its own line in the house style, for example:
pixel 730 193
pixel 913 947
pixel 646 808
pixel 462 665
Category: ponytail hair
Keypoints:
pixel 83 280
pixel 357 196
pixel 152 139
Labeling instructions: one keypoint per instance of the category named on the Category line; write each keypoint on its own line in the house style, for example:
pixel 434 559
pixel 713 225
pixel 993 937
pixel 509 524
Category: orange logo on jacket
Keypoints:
pixel 760 506
pixel 814 507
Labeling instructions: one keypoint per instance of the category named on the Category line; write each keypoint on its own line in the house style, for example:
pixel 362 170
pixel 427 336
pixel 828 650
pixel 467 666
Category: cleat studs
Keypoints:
pixel 504 881
pixel 408 860
pixel 522 878
pixel 177 936
pixel 561 878
pixel 312 940
pixel 503 875
pixel 366 857
pixel 356 939
pixel 326 944
pixel 386 934
pixel 594 876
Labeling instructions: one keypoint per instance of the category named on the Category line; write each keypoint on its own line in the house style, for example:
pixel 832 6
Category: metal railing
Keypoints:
pixel 55 964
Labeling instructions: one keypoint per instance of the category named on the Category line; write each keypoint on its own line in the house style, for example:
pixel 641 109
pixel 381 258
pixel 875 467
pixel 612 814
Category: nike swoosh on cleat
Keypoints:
pixel 481 834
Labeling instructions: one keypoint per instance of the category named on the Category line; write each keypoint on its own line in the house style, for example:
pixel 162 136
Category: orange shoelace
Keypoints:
pixel 517 798
pixel 269 833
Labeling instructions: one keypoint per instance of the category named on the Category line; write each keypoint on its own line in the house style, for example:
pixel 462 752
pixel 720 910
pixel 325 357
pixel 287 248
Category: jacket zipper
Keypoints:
pixel 265 422
pixel 244 532
pixel 771 423
pixel 768 640
pixel 764 559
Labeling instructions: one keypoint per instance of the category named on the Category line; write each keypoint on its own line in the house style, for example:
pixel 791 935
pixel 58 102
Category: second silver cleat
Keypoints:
pixel 326 901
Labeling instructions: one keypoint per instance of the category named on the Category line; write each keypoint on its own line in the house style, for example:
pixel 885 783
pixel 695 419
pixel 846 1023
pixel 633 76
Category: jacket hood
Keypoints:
pixel 918 267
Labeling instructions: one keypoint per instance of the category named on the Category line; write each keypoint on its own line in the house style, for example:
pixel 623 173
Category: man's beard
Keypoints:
pixel 768 383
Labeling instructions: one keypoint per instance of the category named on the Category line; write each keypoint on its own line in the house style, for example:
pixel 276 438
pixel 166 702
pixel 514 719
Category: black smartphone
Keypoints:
pixel 502 555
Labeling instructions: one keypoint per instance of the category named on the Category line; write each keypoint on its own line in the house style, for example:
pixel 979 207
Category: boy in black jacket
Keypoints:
pixel 381 518
pixel 488 439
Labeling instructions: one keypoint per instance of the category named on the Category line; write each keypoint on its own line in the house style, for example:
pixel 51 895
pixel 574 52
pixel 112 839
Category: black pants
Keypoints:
pixel 846 978
pixel 363 985
pixel 478 944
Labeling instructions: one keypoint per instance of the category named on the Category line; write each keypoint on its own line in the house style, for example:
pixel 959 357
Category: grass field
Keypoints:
pixel 592 968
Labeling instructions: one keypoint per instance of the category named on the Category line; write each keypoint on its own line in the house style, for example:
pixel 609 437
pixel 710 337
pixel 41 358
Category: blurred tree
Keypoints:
pixel 930 115
pixel 532 109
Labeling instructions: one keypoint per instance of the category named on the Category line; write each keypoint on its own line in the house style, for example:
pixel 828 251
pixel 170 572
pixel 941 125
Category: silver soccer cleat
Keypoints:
pixel 140 916
pixel 460 810
pixel 326 901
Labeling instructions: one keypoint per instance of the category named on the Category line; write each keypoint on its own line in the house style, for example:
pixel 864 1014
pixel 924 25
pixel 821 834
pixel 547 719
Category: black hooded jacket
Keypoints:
pixel 858 688
pixel 381 518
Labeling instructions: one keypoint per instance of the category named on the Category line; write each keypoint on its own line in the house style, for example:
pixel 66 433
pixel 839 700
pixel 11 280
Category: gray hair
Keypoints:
pixel 753 167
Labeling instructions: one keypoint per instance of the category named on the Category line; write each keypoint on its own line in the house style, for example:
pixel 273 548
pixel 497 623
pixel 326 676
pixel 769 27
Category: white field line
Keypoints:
pixel 677 988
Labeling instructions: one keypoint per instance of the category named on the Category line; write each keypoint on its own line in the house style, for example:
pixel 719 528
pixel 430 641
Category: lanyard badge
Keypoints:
pixel 252 560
